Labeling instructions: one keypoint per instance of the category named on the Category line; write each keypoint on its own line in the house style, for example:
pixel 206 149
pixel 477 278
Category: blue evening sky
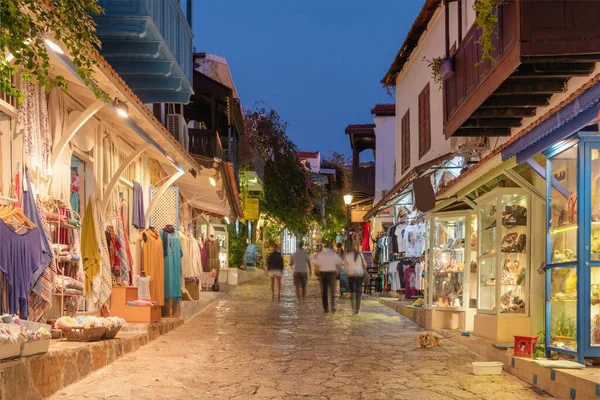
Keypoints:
pixel 318 63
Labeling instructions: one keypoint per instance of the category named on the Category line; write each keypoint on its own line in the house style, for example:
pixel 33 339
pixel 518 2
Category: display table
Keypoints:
pixel 119 308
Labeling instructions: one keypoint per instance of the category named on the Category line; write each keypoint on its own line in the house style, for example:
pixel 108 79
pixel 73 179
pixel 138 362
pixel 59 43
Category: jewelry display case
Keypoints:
pixel 503 264
pixel 573 247
pixel 449 279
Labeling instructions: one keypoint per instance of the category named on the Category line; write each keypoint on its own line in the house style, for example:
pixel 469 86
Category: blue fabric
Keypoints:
pixel 30 210
pixel 75 202
pixel 173 266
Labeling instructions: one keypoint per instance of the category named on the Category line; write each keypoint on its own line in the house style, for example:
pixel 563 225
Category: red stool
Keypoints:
pixel 524 346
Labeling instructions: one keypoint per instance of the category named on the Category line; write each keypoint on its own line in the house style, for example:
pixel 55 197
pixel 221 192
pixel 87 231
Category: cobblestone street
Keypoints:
pixel 249 346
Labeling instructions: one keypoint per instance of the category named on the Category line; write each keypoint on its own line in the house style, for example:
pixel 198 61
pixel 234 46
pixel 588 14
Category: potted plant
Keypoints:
pixel 441 68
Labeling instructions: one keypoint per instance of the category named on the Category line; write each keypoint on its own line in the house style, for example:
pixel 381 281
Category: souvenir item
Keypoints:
pixel 558 256
pixel 571 284
pixel 572 208
pixel 514 216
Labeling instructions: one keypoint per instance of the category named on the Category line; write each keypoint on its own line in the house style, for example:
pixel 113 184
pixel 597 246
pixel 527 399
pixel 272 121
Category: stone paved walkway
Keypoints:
pixel 248 346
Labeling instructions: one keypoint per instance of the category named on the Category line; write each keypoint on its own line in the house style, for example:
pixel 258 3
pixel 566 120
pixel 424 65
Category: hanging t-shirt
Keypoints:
pixel 400 238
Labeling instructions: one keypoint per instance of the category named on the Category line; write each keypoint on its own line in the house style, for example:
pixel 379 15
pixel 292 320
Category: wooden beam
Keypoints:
pixel 504 112
pixel 473 132
pixel 460 32
pixel 534 100
pixel 492 123
pixel 486 87
pixel 558 70
pixel 73 129
pixel 115 179
pixel 532 87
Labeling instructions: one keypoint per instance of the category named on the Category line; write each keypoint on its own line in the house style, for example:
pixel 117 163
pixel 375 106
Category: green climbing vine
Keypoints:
pixel 25 25
pixel 486 12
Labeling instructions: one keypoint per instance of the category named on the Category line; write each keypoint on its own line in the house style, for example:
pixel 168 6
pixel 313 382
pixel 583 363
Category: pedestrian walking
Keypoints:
pixel 329 266
pixel 355 267
pixel 275 269
pixel 342 277
pixel 302 270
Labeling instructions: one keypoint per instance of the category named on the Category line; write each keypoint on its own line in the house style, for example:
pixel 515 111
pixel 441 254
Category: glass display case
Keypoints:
pixel 449 260
pixel 503 252
pixel 573 250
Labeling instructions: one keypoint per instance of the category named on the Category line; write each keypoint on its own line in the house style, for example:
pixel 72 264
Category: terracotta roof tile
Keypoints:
pixel 384 110
pixel 412 40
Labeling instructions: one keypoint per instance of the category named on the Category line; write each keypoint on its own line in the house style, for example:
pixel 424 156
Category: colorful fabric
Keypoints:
pixel 39 303
pixel 60 186
pixel 123 256
pixel 89 249
pixel 103 280
pixel 127 246
pixel 173 268
pixel 153 264
pixel 20 257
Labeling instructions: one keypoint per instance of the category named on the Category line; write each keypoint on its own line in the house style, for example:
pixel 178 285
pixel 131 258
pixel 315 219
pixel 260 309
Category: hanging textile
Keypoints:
pixel 102 281
pixel 39 303
pixel 110 165
pixel 212 253
pixel 186 262
pixel 172 256
pixel 58 121
pixel 1 172
pixel 126 242
pixel 89 249
pixel 153 264
pixel 195 257
pixel 366 237
pixel 31 212
pixel 137 217
pixel 32 123
pixel 74 199
pixel 20 257
pixel 124 259
pixel 203 255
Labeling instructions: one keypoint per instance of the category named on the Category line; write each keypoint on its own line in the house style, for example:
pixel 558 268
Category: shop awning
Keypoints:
pixel 401 187
pixel 580 111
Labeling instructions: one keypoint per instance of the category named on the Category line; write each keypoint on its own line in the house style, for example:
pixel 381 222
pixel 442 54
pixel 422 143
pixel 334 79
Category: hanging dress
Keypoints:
pixel 153 265
pixel 173 266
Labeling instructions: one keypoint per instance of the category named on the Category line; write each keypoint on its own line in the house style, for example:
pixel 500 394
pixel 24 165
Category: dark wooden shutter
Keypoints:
pixel 405 141
pixel 424 122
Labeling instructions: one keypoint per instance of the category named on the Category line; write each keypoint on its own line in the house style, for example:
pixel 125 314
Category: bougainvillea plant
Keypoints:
pixel 25 25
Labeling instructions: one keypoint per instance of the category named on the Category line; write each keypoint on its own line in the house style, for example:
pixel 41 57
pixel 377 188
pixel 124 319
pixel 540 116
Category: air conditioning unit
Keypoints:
pixel 178 128
pixel 469 145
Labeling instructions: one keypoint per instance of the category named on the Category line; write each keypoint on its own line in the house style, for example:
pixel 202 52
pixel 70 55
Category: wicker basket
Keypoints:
pixel 79 334
pixel 111 333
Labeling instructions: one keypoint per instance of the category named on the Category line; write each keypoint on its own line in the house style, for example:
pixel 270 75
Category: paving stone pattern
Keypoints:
pixel 248 346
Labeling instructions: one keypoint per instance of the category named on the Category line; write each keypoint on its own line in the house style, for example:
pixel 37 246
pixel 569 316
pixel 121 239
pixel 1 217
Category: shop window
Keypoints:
pixel 405 141
pixel 424 122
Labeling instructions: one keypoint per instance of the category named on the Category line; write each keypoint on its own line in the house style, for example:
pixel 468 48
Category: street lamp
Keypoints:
pixel 348 201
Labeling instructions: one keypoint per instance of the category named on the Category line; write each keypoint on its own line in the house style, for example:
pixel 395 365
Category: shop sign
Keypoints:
pixel 251 209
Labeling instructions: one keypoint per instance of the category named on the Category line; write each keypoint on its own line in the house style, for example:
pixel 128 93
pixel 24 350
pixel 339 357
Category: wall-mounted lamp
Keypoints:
pixel 56 48
pixel 121 108
pixel 214 179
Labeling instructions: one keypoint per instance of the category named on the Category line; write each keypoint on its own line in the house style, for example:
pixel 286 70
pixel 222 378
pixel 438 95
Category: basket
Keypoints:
pixel 80 334
pixel 111 333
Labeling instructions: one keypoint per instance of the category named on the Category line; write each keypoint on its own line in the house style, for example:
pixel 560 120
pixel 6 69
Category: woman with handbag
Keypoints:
pixel 355 267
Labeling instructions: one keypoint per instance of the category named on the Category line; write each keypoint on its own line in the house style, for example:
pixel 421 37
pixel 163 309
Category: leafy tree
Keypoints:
pixel 237 247
pixel 335 210
pixel 25 24
pixel 288 194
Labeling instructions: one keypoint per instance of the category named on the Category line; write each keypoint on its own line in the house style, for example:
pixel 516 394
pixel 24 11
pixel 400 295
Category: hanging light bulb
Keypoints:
pixel 121 108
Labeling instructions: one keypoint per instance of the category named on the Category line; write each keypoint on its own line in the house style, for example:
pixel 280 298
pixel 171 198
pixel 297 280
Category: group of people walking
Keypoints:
pixel 329 265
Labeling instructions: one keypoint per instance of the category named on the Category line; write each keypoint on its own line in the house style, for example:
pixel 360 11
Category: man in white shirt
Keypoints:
pixel 329 267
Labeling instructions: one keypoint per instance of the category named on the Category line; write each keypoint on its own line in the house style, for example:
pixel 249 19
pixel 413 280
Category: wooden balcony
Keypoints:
pixel 363 182
pixel 540 45
pixel 205 142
